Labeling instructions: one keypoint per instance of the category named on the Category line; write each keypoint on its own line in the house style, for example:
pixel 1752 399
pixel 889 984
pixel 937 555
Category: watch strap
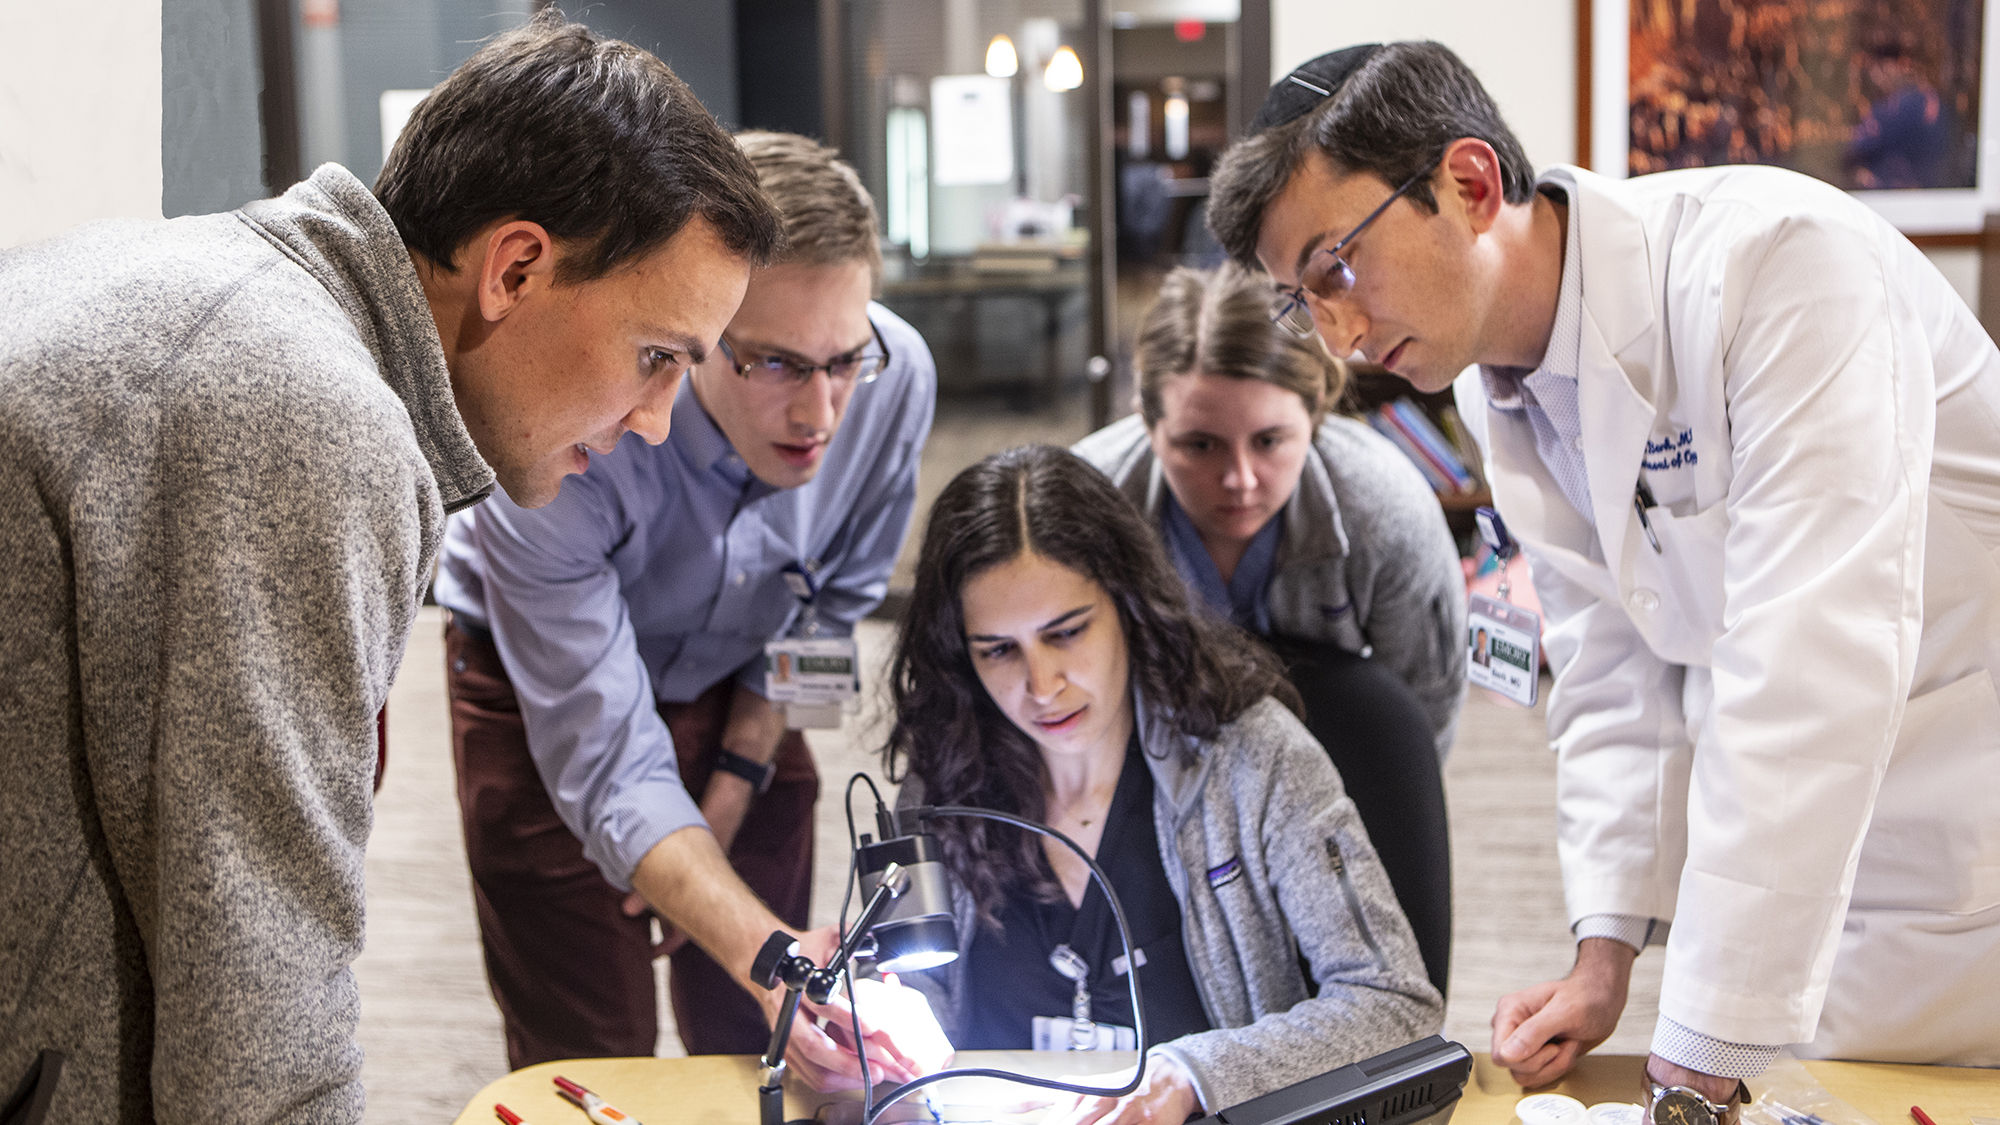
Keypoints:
pixel 758 774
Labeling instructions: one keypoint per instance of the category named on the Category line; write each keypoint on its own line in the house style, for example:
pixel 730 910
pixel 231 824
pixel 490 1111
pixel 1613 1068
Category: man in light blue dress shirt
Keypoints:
pixel 606 654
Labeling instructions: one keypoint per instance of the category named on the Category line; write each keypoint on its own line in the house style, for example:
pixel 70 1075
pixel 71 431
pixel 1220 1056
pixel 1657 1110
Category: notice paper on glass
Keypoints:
pixel 972 130
pixel 1505 648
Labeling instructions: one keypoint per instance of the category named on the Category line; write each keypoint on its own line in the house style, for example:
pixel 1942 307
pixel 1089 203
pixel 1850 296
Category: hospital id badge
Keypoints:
pixel 814 678
pixel 1504 648
pixel 1052 1033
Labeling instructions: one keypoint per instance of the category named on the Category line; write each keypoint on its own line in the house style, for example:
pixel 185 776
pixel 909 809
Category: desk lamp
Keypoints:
pixel 908 916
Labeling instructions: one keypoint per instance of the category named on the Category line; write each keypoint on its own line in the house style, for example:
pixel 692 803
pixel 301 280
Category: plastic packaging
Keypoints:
pixel 1788 1094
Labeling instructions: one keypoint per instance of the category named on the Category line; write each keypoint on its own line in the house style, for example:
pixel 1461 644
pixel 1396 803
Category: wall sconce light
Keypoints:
pixel 1065 71
pixel 1001 61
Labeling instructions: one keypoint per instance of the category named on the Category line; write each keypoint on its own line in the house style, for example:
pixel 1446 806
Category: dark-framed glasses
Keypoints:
pixel 862 366
pixel 1327 275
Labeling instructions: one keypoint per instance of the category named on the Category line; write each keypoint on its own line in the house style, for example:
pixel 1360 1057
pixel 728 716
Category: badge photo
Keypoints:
pixel 1503 644
pixel 813 678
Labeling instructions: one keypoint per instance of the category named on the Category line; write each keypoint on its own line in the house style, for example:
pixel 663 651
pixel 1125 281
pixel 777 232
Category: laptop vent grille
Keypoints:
pixel 1405 1102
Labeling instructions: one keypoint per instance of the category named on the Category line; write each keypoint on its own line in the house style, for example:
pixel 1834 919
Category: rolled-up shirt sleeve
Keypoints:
pixel 559 619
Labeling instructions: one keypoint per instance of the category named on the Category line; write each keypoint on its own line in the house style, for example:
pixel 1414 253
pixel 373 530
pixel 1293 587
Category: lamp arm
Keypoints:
pixel 930 812
pixel 895 880
pixel 777 965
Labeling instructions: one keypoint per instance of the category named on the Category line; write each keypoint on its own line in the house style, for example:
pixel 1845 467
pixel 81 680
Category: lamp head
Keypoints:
pixel 916 932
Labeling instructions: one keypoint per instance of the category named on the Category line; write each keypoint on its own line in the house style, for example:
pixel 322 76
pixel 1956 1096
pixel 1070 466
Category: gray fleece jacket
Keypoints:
pixel 227 447
pixel 1262 796
pixel 1366 561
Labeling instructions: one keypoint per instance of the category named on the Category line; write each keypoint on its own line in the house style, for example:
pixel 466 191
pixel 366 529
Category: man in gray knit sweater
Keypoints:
pixel 227 448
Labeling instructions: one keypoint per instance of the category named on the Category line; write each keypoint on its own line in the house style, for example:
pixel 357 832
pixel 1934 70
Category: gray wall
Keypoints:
pixel 396 45
pixel 211 142
pixel 695 37
pixel 211 138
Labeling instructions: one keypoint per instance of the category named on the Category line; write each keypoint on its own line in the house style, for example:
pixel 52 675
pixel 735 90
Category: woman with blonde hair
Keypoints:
pixel 1313 532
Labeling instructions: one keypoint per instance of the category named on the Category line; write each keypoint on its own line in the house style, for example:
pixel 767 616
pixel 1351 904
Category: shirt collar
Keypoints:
pixel 701 442
pixel 1563 356
pixel 334 228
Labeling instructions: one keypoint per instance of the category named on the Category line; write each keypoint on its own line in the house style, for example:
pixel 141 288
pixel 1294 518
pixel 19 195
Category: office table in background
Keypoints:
pixel 960 291
pixel 721 1089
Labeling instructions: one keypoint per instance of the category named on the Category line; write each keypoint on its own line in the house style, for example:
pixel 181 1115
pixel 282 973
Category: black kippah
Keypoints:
pixel 1310 84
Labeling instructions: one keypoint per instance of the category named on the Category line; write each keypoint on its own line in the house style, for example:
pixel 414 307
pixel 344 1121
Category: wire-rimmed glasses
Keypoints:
pixel 856 367
pixel 1327 275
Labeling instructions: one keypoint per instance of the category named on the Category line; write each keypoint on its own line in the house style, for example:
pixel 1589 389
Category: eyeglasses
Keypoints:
pixel 1327 275
pixel 777 371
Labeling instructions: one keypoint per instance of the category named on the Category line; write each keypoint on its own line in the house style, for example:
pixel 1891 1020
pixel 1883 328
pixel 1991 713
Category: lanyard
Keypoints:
pixel 1493 530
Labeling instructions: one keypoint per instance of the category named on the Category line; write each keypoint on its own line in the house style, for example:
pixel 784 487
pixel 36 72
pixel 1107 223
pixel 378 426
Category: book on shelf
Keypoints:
pixel 1462 443
pixel 1411 430
pixel 1437 481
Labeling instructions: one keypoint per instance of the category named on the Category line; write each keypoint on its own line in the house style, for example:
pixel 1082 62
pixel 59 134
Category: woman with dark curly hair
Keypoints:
pixel 1050 666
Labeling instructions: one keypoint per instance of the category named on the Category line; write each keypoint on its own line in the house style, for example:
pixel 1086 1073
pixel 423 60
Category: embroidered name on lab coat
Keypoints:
pixel 1670 452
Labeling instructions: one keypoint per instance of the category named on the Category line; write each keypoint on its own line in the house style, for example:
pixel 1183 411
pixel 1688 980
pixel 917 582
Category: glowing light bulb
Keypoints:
pixel 1001 61
pixel 1065 71
pixel 1176 113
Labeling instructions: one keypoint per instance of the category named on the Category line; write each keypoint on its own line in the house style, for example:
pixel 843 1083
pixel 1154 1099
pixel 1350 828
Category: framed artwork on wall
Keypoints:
pixel 1888 99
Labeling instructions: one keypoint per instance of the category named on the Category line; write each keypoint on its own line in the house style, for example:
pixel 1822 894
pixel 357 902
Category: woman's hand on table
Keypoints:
pixel 1165 1097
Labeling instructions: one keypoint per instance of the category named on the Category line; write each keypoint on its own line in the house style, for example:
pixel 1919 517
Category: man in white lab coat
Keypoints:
pixel 1750 438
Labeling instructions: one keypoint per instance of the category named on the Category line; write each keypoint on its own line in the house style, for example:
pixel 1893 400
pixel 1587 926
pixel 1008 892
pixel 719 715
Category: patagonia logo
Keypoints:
pixel 1225 873
pixel 1340 610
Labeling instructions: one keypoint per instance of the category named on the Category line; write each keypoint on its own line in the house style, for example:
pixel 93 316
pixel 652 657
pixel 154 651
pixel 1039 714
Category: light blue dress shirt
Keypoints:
pixel 659 572
pixel 1547 395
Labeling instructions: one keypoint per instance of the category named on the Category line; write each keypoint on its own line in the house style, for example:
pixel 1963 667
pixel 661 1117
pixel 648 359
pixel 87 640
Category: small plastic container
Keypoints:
pixel 1550 1109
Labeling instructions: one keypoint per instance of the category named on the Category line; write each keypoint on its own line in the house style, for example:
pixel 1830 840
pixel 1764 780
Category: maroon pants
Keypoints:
pixel 573 976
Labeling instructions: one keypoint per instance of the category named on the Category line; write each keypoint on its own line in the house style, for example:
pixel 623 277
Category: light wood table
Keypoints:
pixel 721 1089
pixel 1883 1091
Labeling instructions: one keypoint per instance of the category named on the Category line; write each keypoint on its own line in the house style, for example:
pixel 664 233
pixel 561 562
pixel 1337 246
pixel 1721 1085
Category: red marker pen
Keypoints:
pixel 507 1115
pixel 594 1107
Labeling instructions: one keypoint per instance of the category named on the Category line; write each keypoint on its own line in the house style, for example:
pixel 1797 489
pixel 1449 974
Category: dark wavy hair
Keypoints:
pixel 1192 668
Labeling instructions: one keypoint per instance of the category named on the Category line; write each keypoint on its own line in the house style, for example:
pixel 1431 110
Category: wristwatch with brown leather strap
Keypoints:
pixel 1683 1105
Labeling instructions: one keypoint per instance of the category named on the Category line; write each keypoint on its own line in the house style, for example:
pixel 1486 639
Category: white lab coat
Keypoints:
pixel 1781 730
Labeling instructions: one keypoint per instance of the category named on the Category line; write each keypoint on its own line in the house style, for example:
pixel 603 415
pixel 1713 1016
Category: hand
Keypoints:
pixel 672 937
pixel 903 1037
pixel 1717 1090
pixel 818 946
pixel 1164 1097
pixel 1538 1032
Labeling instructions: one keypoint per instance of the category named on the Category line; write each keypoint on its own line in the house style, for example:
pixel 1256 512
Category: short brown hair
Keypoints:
pixel 593 138
pixel 827 215
pixel 1393 117
pixel 1218 322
